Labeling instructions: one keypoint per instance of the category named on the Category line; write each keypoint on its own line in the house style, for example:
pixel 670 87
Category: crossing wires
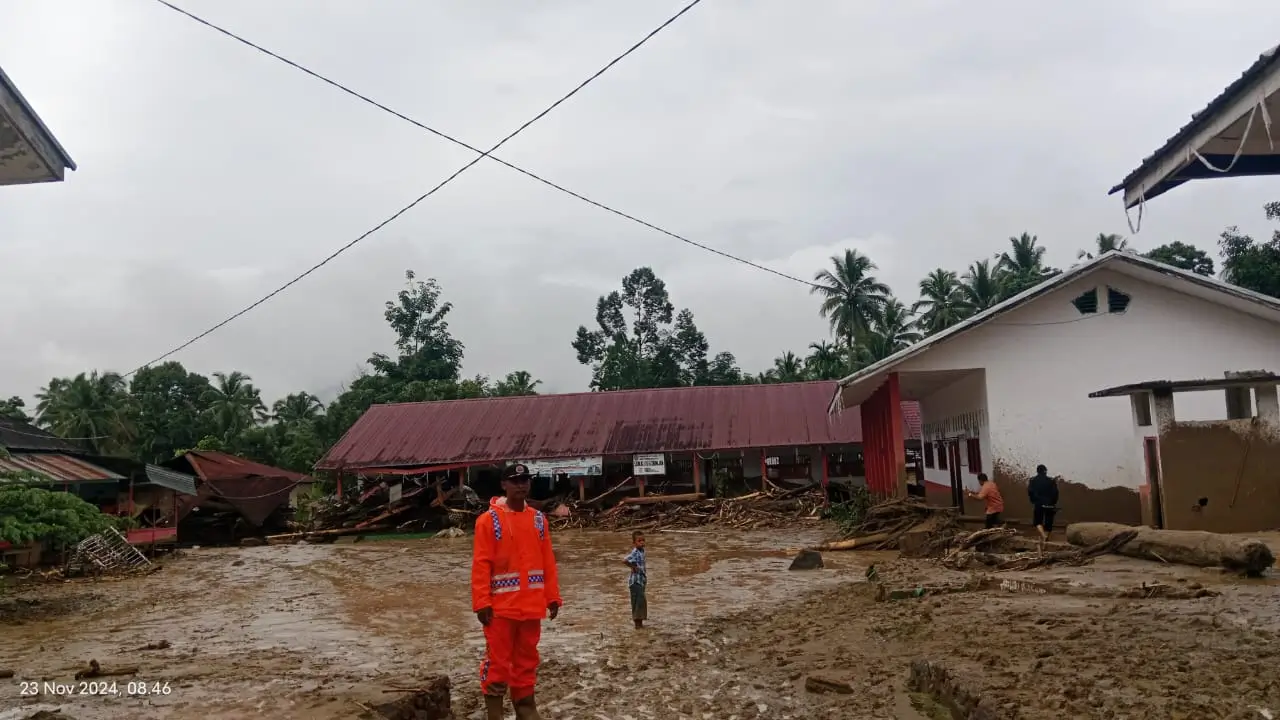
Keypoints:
pixel 480 155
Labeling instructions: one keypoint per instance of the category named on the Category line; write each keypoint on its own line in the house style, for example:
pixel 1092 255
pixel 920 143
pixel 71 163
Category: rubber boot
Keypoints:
pixel 493 707
pixel 526 709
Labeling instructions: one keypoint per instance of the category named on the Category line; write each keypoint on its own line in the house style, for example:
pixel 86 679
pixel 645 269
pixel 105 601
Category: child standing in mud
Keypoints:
pixel 636 583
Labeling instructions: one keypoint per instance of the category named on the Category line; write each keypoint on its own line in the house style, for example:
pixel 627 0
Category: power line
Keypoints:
pixel 420 198
pixel 445 136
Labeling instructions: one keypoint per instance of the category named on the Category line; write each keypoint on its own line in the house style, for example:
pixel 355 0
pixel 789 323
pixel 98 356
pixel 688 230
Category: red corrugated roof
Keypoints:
pixel 215 466
pixel 61 468
pixel 600 423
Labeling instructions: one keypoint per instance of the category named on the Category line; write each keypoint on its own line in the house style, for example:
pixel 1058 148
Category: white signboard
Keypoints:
pixel 567 466
pixel 397 491
pixel 649 464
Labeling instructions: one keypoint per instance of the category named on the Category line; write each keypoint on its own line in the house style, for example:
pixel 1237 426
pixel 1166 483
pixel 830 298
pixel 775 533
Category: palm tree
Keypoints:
pixel 1022 265
pixel 942 300
pixel 787 368
pixel 296 408
pixel 825 362
pixel 519 382
pixel 851 296
pixel 235 403
pixel 96 407
pixel 981 286
pixel 894 330
pixel 1105 242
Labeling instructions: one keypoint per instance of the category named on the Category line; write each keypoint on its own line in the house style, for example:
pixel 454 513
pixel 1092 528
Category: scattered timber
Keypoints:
pixel 658 499
pixel 336 532
pixel 757 510
pixel 96 671
pixel 1185 547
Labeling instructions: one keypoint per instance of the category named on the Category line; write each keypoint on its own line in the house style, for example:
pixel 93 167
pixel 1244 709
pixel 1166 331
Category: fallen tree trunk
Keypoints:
pixel 853 543
pixel 1185 547
pixel 656 499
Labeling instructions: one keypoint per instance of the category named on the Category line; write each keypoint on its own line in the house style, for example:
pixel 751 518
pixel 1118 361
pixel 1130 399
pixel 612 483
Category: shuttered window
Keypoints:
pixel 973 448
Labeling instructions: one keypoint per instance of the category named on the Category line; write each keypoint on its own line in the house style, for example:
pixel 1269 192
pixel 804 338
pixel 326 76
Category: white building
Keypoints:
pixel 29 153
pixel 1008 389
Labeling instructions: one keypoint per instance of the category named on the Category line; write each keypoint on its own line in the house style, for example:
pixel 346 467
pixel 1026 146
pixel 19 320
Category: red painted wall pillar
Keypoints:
pixel 896 437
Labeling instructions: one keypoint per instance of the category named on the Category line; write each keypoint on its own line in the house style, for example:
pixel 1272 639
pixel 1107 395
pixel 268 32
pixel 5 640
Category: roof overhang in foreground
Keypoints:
pixel 29 153
pixel 1234 136
pixel 1173 386
pixel 856 388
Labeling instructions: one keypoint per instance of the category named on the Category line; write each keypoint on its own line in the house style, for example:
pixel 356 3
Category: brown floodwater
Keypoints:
pixel 317 631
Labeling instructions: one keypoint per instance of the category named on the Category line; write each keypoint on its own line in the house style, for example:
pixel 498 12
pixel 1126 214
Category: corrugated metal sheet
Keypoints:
pixel 176 481
pixel 253 489
pixel 60 468
pixel 16 435
pixel 213 466
pixel 604 423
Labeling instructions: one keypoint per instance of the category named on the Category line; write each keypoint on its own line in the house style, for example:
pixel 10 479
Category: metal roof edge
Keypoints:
pixel 9 85
pixel 1202 118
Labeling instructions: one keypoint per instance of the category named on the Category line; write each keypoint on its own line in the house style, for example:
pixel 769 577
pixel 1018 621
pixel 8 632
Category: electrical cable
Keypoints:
pixel 460 143
pixel 420 198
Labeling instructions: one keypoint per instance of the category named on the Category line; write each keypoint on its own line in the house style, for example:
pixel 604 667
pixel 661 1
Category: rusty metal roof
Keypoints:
pixel 59 468
pixel 599 423
pixel 216 466
pixel 253 489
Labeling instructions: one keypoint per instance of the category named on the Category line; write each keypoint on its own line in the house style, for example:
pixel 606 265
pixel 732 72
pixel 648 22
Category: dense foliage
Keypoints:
pixel 29 514
pixel 638 339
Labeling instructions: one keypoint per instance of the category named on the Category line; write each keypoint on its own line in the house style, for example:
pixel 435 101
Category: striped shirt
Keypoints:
pixel 636 560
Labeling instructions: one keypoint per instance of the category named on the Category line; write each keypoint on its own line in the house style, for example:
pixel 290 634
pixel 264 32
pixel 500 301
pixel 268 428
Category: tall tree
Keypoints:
pixel 518 382
pixel 1103 244
pixel 942 302
pixel 1184 256
pixel 93 406
pixel 640 341
pixel 1249 263
pixel 826 362
pixel 234 404
pixel 852 297
pixel 1022 265
pixel 15 408
pixel 787 367
pixel 723 370
pixel 894 330
pixel 982 286
pixel 427 351
pixel 297 407
pixel 172 410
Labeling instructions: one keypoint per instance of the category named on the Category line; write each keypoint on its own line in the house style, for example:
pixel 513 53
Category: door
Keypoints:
pixel 953 467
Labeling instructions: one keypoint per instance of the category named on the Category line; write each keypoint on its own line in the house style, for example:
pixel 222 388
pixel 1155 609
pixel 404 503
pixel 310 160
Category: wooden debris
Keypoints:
pixel 658 499
pixel 429 700
pixel 6 674
pixel 668 512
pixel 1185 547
pixel 966 554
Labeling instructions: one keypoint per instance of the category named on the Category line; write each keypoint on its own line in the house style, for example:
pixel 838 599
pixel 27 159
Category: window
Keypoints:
pixel 1141 409
pixel 928 454
pixel 942 456
pixel 1239 403
pixel 1117 302
pixel 1087 303
pixel 973 448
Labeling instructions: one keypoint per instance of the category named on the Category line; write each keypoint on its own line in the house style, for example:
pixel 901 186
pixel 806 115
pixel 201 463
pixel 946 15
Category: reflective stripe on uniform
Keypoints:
pixel 505 583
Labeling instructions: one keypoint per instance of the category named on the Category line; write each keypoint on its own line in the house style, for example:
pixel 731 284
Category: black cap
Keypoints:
pixel 519 470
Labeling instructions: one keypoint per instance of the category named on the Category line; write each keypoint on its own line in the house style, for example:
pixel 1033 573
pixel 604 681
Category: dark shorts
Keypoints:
pixel 1042 516
pixel 639 606
pixel 993 520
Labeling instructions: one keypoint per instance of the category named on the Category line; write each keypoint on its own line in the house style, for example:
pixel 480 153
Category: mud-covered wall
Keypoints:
pixel 1076 501
pixel 1221 476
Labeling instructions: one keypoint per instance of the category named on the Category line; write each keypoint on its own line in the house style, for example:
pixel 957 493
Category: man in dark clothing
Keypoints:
pixel 1042 490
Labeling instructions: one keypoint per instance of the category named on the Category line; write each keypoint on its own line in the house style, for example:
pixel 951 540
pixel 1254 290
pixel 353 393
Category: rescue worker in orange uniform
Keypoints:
pixel 514 585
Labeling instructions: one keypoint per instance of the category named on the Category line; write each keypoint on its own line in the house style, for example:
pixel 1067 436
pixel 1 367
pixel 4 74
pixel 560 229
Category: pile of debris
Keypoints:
pixel 763 509
pixel 906 524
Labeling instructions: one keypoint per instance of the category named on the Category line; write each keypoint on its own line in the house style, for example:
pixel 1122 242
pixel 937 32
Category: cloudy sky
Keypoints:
pixel 921 132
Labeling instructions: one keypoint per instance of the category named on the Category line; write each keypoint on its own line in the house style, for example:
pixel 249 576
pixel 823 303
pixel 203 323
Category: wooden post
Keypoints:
pixel 824 478
pixel 339 475
pixel 582 488
pixel 764 468
pixel 640 484
pixel 697 473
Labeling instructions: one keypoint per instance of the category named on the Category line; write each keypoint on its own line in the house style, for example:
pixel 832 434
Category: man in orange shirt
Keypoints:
pixel 514 584
pixel 990 495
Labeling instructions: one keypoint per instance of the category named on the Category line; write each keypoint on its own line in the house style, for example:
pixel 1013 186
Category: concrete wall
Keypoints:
pixel 1220 476
pixel 1042 361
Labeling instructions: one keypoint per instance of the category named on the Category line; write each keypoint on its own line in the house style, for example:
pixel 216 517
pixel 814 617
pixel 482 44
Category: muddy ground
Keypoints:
pixel 321 631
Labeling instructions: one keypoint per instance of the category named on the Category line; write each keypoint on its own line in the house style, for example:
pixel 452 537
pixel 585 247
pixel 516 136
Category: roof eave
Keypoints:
pixel 1157 173
pixel 47 136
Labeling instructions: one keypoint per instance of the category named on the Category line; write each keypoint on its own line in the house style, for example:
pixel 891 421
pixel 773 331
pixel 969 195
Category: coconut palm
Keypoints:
pixel 1105 243
pixel 96 407
pixel 235 403
pixel 296 408
pixel 787 367
pixel 942 302
pixel 519 382
pixel 981 286
pixel 851 296
pixel 1022 265
pixel 894 330
pixel 825 362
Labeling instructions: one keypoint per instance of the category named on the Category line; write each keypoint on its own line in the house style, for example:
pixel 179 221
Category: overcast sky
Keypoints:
pixel 922 133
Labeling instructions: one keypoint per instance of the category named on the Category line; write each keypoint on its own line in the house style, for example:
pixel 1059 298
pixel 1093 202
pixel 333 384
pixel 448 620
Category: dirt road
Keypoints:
pixel 317 631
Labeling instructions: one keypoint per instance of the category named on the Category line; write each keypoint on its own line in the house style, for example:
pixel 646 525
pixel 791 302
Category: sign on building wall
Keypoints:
pixel 567 466
pixel 649 464
pixel 396 492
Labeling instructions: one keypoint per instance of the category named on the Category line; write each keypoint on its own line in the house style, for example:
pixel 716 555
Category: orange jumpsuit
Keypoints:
pixel 513 571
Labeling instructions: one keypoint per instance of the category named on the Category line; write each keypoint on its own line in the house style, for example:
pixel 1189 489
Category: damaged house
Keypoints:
pixel 1008 389
pixel 235 497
